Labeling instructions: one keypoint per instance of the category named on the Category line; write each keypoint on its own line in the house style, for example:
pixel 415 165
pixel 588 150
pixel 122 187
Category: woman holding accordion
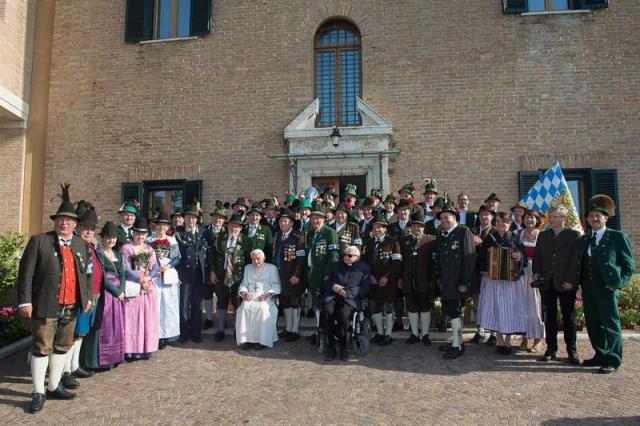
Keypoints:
pixel 503 300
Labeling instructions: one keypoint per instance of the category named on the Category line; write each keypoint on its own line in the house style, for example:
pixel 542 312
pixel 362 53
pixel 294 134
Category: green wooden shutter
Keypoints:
pixel 200 17
pixel 526 180
pixel 515 6
pixel 138 24
pixel 605 181
pixel 132 191
pixel 592 4
pixel 192 190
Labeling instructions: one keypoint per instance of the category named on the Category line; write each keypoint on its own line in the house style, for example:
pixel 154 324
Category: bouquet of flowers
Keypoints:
pixel 141 260
pixel 162 247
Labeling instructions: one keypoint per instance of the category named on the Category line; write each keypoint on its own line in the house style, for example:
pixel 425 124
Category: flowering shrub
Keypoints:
pixel 12 326
pixel 11 246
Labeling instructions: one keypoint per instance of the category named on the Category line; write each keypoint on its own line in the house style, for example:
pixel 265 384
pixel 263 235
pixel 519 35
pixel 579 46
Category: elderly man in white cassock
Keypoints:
pixel 257 316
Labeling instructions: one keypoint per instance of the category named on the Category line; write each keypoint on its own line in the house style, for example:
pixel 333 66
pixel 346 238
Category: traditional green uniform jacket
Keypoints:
pixel 609 263
pixel 323 251
pixel 349 235
pixel 262 239
pixel 123 237
pixel 241 257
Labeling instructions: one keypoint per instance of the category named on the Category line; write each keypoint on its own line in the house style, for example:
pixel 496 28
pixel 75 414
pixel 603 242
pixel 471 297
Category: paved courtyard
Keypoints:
pixel 212 383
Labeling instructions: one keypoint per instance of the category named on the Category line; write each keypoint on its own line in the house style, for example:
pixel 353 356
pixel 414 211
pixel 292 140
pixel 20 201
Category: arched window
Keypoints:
pixel 337 68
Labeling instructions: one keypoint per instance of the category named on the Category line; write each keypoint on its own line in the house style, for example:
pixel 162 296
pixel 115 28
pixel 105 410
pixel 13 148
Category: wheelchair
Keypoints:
pixel 358 336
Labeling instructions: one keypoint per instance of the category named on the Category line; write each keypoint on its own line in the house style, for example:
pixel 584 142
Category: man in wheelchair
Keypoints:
pixel 343 296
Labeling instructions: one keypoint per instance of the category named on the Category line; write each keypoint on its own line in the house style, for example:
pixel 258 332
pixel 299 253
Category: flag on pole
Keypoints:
pixel 552 190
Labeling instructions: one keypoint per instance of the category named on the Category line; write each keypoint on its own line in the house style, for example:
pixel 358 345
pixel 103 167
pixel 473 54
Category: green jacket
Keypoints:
pixel 241 257
pixel 323 251
pixel 263 240
pixel 613 255
pixel 122 238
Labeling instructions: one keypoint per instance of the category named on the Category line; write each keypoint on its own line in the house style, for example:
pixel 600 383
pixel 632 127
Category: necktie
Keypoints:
pixel 229 268
pixel 593 243
pixel 279 251
pixel 129 234
pixel 252 231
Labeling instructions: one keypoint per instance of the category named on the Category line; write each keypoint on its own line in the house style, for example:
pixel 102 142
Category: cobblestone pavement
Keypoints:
pixel 214 383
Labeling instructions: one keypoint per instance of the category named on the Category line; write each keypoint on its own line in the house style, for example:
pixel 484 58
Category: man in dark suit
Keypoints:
pixel 215 230
pixel 605 265
pixel 270 216
pixel 289 256
pixel 455 263
pixel 555 261
pixel 259 235
pixel 467 217
pixel 52 283
pixel 194 243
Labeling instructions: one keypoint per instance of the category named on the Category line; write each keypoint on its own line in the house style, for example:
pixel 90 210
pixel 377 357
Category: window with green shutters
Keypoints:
pixel 523 6
pixel 164 195
pixel 158 19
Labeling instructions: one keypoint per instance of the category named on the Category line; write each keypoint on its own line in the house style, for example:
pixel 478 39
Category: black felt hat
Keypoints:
pixel 87 215
pixel 163 218
pixel 235 218
pixel 66 208
pixel 109 229
pixel 140 225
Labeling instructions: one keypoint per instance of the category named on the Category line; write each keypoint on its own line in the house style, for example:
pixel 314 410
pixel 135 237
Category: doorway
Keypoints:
pixel 360 181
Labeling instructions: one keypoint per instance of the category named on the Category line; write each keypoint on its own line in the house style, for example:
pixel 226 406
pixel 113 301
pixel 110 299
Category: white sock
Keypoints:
pixel 425 322
pixel 75 360
pixel 317 312
pixel 56 365
pixel 39 366
pixel 480 331
pixel 288 316
pixel 456 326
pixel 295 325
pixel 377 319
pixel 67 361
pixel 389 323
pixel 413 323
pixel 208 308
pixel 222 319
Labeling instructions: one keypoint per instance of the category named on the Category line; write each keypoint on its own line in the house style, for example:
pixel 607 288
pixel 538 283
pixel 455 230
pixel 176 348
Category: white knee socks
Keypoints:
pixel 39 366
pixel 56 365
pixel 75 359
pixel 456 327
pixel 295 325
pixel 377 319
pixel 288 315
pixel 389 323
pixel 413 323
pixel 425 322
pixel 222 319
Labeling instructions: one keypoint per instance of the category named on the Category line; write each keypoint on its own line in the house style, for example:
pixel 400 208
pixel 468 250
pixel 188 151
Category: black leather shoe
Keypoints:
pixel 207 324
pixel 452 353
pixel 283 333
pixel 196 339
pixel 573 358
pixel 219 336
pixel 492 340
pixel 60 393
pixel 162 344
pixel 397 326
pixel 245 346
pixel 508 350
pixel 344 355
pixel 476 339
pixel 426 340
pixel 69 382
pixel 412 339
pixel 444 348
pixel 330 355
pixel 376 339
pixel 184 339
pixel 607 370
pixel 386 340
pixel 291 337
pixel 81 373
pixel 37 402
pixel 593 362
pixel 548 356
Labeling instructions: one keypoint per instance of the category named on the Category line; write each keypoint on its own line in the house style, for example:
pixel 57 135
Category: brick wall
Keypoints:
pixel 467 89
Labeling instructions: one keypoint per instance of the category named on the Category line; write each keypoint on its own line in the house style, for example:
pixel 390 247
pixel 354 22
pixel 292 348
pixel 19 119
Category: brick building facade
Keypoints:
pixel 457 90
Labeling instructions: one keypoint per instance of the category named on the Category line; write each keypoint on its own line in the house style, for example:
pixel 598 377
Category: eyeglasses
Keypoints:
pixel 350 255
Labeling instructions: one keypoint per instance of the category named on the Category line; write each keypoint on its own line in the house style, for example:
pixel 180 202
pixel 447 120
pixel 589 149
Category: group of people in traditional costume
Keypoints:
pixel 142 284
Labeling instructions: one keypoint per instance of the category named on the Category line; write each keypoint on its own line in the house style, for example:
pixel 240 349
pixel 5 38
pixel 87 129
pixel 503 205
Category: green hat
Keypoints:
pixel 270 203
pixel 439 202
pixel 350 189
pixel 109 229
pixel 405 202
pixel 289 198
pixel 255 208
pixel 330 189
pixel 192 210
pixel 305 203
pixel 409 188
pixel 368 202
pixel 241 201
pixel 219 213
pixel 377 193
pixel 449 208
pixel 66 207
pixel 342 207
pixel 380 219
pixel 602 203
pixel 391 198
pixel 130 206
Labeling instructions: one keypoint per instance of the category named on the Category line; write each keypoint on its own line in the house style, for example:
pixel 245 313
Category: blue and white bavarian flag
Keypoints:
pixel 552 190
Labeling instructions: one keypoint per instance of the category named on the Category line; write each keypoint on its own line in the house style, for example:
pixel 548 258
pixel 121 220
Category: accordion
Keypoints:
pixel 502 266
